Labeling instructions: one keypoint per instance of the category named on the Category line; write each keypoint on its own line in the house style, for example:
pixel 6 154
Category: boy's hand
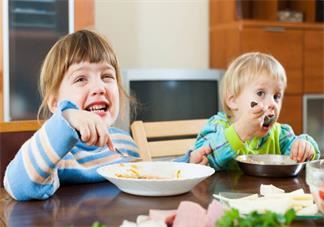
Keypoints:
pixel 250 122
pixel 301 151
pixel 199 156
pixel 93 131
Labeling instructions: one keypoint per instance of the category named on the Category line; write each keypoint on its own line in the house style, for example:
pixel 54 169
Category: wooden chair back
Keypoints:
pixel 165 138
pixel 12 136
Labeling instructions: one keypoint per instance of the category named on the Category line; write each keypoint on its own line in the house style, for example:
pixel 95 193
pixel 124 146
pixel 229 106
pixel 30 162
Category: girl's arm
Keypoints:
pixel 32 174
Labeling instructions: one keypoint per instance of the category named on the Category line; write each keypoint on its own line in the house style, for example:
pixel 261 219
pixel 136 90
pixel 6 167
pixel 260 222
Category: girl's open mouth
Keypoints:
pixel 97 108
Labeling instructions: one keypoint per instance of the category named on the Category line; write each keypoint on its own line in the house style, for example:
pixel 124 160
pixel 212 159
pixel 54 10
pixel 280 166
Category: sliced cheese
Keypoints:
pixel 276 200
pixel 270 189
pixel 309 210
pixel 261 205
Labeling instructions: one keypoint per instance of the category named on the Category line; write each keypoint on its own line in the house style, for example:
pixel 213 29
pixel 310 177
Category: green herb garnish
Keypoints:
pixel 232 218
pixel 97 224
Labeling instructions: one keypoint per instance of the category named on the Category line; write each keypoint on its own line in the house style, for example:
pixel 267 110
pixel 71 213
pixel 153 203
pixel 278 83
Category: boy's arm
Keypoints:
pixel 287 138
pixel 224 142
pixel 32 174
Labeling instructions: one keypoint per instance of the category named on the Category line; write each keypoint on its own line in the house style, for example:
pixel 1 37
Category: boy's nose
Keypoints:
pixel 271 104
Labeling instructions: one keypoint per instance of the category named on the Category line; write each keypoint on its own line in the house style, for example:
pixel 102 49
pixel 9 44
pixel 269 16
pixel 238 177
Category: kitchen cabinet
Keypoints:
pixel 291 112
pixel 33 27
pixel 314 61
pixel 1 63
pixel 237 27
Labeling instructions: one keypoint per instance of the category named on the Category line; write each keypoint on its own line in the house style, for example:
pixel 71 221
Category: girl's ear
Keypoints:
pixel 231 102
pixel 52 103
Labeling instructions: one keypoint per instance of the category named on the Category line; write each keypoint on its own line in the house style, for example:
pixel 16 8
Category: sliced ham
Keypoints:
pixel 190 214
pixel 214 212
pixel 167 216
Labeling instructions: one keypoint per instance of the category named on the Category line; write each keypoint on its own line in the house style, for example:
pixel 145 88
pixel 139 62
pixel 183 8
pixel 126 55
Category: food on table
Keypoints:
pixel 133 172
pixel 189 214
pixel 233 218
pixel 275 200
pixel 143 221
pixel 167 216
pixel 321 194
pixel 269 189
pixel 269 165
pixel 251 161
pixel 178 174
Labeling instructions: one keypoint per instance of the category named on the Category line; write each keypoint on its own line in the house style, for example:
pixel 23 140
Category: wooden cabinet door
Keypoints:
pixel 314 62
pixel 286 45
pixel 1 65
pixel 83 14
pixel 291 112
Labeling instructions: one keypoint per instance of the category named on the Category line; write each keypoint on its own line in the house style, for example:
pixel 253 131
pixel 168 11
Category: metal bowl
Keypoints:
pixel 269 165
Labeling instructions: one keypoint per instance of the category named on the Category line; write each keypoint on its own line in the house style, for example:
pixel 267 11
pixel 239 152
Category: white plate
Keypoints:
pixel 190 175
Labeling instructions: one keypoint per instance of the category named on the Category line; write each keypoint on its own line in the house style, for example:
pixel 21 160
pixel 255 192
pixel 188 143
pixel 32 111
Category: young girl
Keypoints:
pixel 251 93
pixel 80 83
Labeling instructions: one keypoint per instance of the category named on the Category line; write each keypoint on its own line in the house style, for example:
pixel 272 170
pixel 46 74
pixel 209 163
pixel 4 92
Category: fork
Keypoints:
pixel 127 156
pixel 124 155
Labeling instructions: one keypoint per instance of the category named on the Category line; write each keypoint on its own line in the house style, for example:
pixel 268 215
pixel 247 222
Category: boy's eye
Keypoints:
pixel 260 93
pixel 277 97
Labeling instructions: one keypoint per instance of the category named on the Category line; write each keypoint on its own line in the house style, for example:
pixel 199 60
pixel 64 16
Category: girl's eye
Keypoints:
pixel 107 77
pixel 80 79
pixel 260 93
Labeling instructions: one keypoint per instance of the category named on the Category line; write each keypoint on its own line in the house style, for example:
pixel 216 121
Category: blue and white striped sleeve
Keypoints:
pixel 32 174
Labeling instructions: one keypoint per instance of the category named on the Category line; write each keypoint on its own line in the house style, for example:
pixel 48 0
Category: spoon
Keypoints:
pixel 267 119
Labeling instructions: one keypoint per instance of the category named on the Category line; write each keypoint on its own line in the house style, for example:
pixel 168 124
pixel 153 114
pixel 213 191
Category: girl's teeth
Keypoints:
pixel 97 108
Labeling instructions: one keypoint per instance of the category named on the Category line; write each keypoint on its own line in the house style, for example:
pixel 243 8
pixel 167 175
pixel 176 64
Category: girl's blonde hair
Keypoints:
pixel 83 45
pixel 245 69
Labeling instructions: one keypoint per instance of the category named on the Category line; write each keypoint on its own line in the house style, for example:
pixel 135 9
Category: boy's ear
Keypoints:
pixel 52 103
pixel 231 102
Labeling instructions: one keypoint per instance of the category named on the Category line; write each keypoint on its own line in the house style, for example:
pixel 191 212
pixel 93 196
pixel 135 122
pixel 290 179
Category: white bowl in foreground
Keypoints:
pixel 164 178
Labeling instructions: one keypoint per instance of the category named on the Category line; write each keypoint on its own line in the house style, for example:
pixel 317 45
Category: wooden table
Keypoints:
pixel 81 205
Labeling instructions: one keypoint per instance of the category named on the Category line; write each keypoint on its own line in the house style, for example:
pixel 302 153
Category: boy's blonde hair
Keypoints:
pixel 245 69
pixel 83 45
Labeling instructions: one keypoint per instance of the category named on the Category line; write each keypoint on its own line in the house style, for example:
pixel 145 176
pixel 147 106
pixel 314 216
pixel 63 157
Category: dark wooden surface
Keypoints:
pixel 10 142
pixel 81 205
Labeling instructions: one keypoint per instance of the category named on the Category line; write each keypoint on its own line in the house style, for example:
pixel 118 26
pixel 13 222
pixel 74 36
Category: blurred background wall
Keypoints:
pixel 156 33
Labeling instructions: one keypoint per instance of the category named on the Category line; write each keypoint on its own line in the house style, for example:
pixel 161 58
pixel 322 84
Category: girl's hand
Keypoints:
pixel 199 156
pixel 93 131
pixel 302 151
pixel 250 122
